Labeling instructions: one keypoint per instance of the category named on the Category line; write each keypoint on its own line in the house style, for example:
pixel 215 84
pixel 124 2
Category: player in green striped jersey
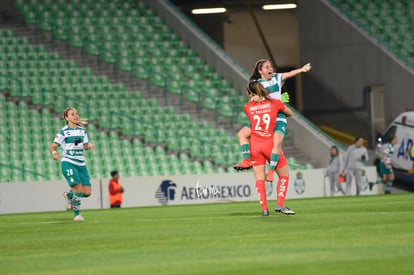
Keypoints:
pixel 386 168
pixel 273 82
pixel 74 140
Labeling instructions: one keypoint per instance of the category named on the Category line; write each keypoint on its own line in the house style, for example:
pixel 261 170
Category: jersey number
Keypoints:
pixel 69 172
pixel 266 120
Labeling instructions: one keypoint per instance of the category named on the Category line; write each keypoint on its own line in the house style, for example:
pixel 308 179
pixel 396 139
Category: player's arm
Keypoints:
pixel 288 111
pixel 306 68
pixel 52 149
pixel 87 145
pixel 282 107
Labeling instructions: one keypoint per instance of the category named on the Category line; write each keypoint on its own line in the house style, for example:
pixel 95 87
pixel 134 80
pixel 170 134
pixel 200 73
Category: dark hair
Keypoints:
pixel 255 88
pixel 356 139
pixel 391 138
pixel 114 173
pixel 336 148
pixel 257 67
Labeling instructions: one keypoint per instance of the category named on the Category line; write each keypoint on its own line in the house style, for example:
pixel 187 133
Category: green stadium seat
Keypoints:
pixel 123 34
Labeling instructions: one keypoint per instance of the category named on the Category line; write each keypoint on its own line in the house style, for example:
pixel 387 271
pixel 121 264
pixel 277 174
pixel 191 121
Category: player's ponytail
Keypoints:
pixel 83 122
pixel 255 88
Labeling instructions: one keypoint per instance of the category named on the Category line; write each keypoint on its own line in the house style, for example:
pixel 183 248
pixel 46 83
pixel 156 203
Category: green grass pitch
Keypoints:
pixel 346 235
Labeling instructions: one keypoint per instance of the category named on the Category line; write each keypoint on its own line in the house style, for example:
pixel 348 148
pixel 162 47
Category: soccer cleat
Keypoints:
pixel 68 202
pixel 270 175
pixel 78 218
pixel 265 213
pixel 285 210
pixel 245 164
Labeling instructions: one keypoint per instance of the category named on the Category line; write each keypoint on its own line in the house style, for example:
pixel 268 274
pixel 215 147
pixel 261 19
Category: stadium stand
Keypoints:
pixel 131 35
pixel 47 80
pixel 42 74
pixel 390 22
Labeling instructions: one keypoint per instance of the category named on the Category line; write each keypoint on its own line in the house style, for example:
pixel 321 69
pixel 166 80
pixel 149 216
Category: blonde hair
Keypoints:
pixel 83 122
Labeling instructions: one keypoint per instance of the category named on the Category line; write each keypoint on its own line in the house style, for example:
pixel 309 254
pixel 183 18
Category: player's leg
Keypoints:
pixel 259 173
pixel 282 171
pixel 71 174
pixel 244 136
pixel 68 199
pixel 278 136
pixel 390 180
pixel 76 202
pixel 86 181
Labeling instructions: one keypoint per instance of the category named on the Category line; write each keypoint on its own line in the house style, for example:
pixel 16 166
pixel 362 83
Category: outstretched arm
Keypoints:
pixel 306 68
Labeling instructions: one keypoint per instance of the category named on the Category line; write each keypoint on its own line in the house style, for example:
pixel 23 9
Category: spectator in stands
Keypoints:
pixel 333 170
pixel 74 141
pixel 385 164
pixel 273 82
pixel 356 156
pixel 115 190
pixel 262 114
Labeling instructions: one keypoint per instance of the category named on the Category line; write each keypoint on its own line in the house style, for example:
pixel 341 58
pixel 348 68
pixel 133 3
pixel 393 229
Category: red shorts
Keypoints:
pixel 260 152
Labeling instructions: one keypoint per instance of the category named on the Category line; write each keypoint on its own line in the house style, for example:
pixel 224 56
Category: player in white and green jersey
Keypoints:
pixel 385 165
pixel 273 82
pixel 74 140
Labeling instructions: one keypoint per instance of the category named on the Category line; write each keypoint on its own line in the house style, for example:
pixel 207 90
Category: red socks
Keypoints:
pixel 261 193
pixel 281 189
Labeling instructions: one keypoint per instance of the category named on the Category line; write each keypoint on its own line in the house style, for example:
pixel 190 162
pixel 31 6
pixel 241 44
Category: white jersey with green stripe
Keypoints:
pixel 274 86
pixel 72 141
pixel 389 151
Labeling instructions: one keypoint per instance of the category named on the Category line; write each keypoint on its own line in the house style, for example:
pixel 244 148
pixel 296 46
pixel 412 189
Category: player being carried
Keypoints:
pixel 262 113
pixel 273 82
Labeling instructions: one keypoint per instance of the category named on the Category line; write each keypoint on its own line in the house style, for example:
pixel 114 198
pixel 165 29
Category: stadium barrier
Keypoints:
pixel 24 197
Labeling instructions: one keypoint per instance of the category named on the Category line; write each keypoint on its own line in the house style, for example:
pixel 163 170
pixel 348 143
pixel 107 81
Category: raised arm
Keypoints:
pixel 306 68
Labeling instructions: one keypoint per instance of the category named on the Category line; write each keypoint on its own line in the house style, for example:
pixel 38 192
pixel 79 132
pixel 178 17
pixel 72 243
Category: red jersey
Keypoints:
pixel 262 116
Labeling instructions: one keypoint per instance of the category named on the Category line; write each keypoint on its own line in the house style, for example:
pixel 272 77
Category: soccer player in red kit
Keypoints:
pixel 262 114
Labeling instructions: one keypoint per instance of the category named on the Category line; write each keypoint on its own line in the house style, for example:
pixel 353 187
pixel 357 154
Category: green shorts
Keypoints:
pixel 281 127
pixel 385 171
pixel 75 174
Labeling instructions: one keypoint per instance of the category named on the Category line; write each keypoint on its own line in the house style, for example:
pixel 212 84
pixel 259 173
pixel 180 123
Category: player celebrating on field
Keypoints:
pixel 262 115
pixel 73 140
pixel 273 82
